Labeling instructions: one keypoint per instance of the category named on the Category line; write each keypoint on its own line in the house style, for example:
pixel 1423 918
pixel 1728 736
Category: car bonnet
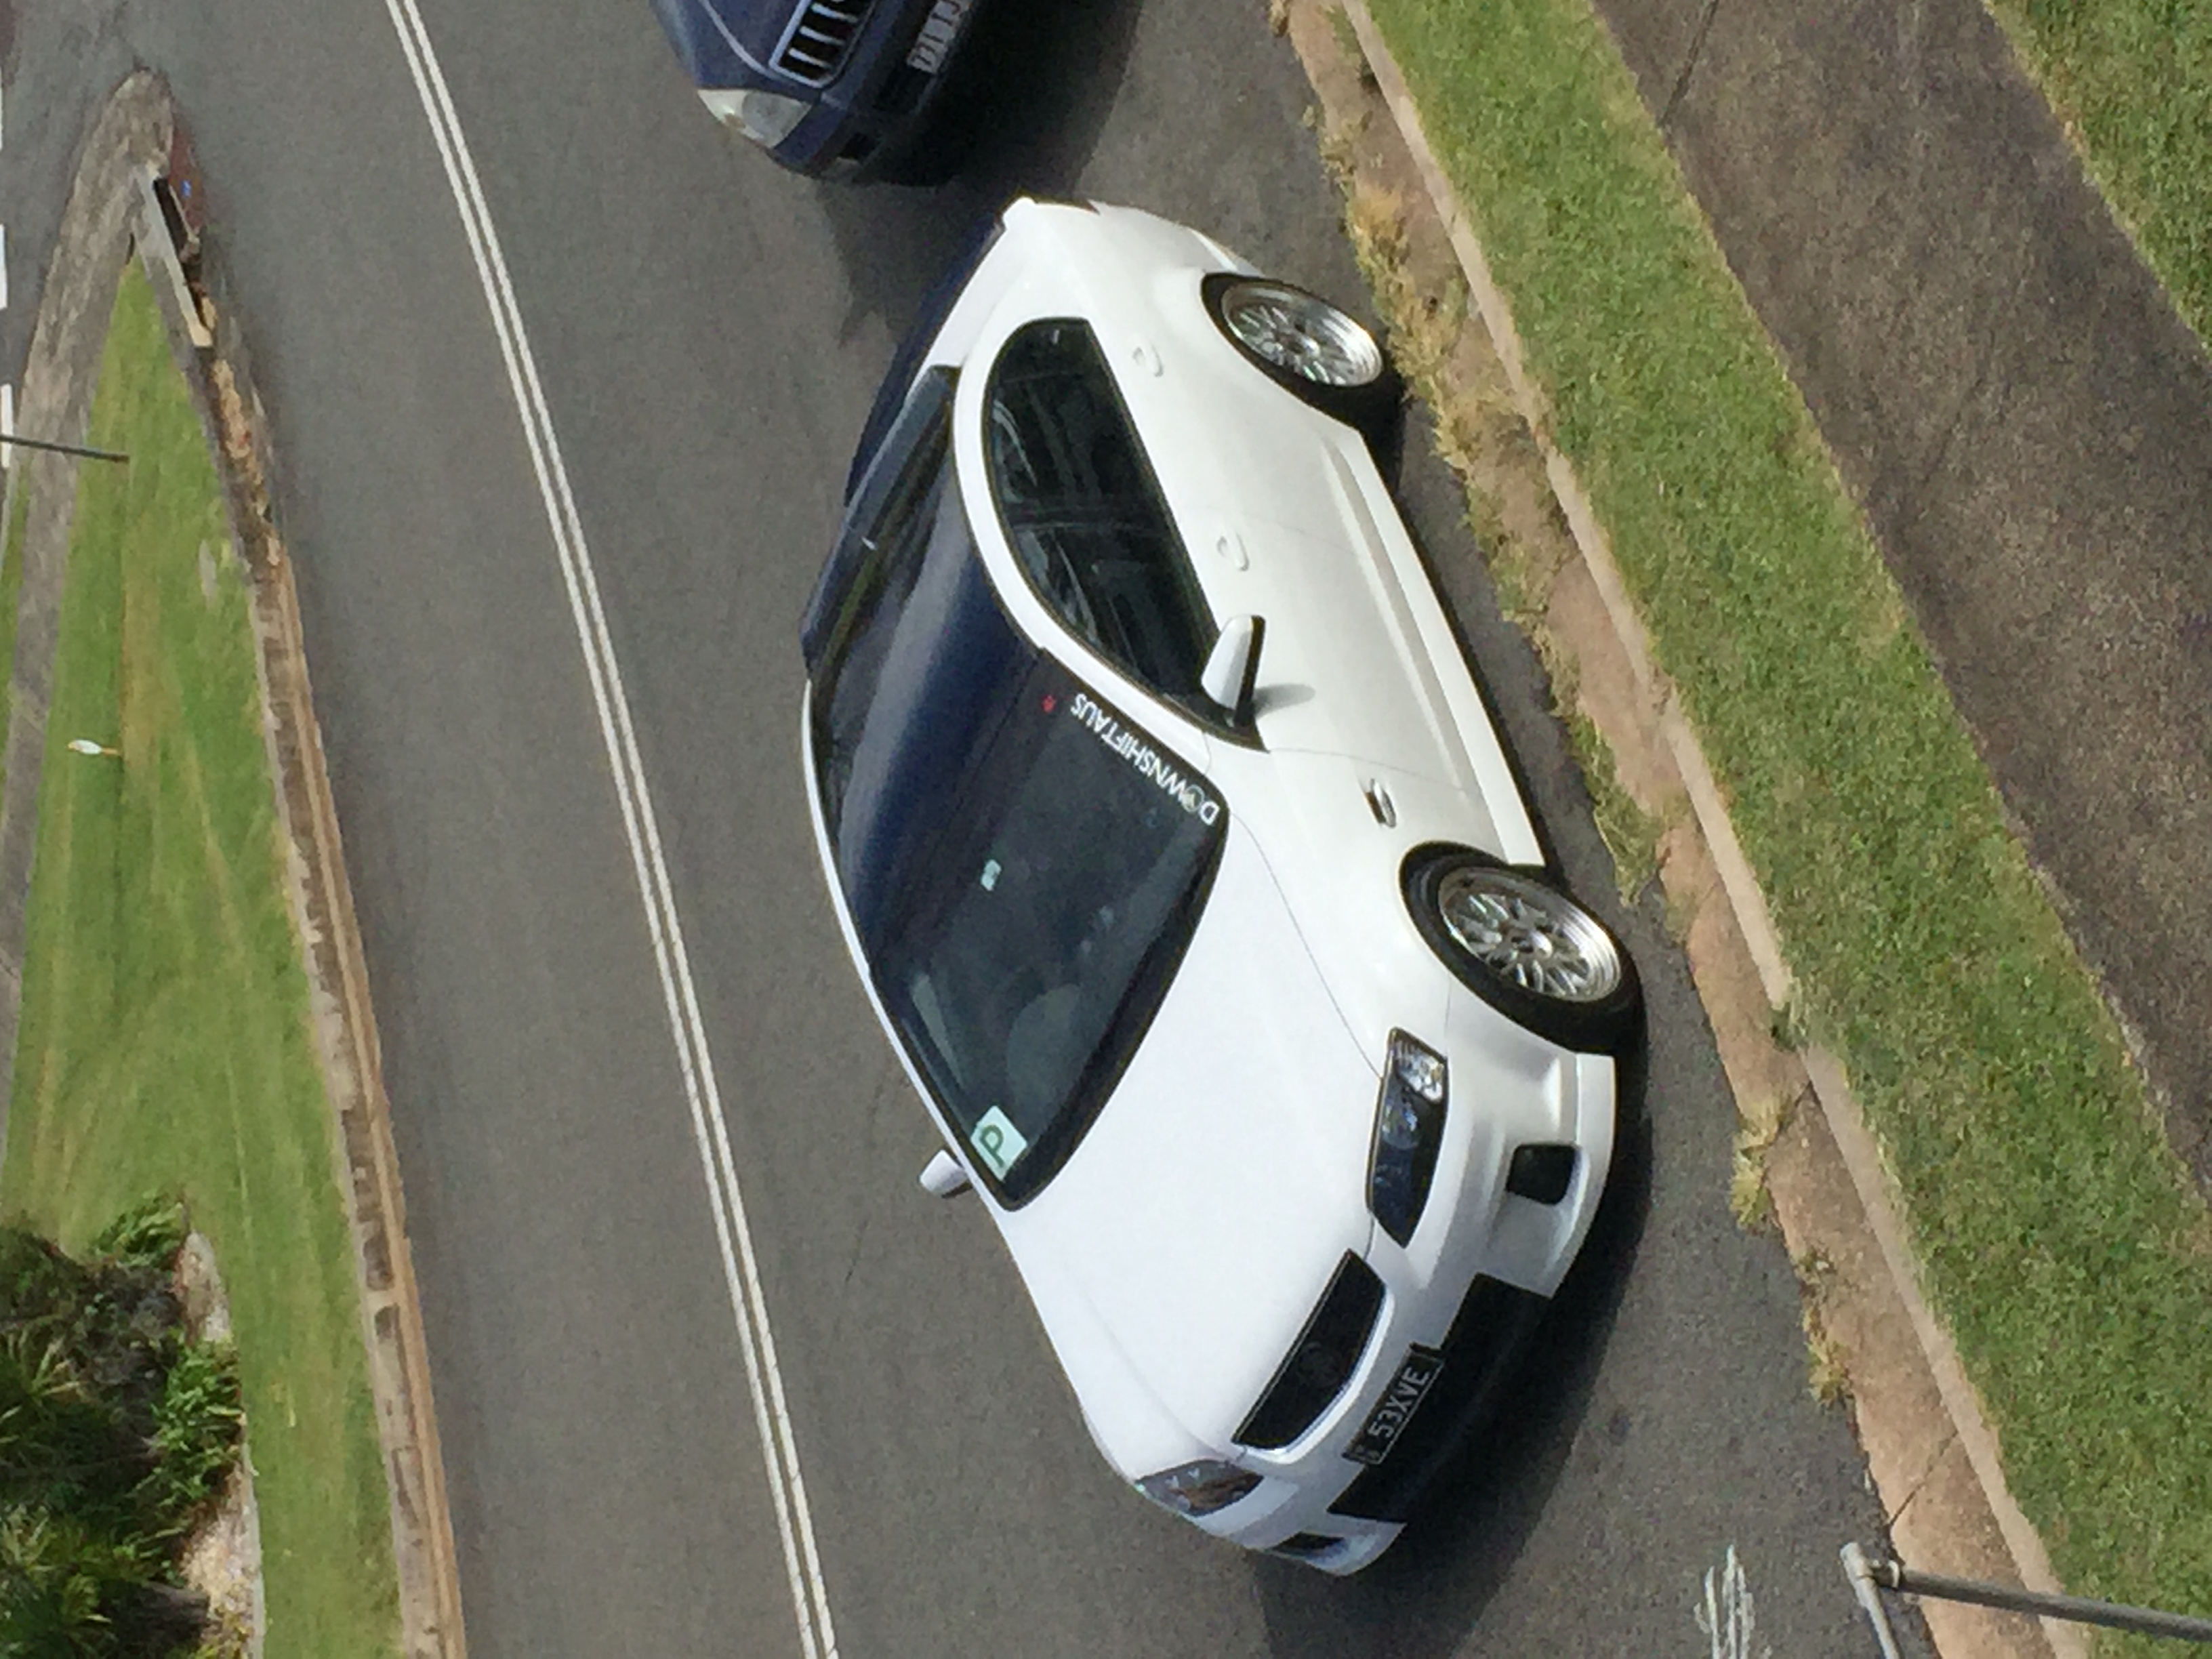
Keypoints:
pixel 1197 1225
pixel 723 43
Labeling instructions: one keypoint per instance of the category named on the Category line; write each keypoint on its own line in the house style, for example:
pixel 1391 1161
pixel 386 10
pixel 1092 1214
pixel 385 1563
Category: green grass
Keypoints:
pixel 2133 78
pixel 165 1044
pixel 2058 1235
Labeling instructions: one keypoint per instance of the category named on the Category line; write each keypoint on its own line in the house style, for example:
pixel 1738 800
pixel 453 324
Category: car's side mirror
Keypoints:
pixel 943 1177
pixel 1232 668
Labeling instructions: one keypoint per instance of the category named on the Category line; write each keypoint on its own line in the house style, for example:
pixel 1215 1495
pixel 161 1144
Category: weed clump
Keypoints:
pixel 117 1431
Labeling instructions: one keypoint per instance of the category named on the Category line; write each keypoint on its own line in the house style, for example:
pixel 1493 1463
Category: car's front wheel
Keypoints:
pixel 1526 948
pixel 1301 342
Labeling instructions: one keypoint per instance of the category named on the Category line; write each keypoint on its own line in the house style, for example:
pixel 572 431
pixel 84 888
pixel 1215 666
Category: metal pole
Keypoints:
pixel 2143 1621
pixel 19 440
pixel 1860 1571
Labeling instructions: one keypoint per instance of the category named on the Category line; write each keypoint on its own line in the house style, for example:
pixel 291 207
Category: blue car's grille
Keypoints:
pixel 823 31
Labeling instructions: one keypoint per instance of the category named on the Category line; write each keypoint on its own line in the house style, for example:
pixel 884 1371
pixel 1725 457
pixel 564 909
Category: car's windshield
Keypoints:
pixel 1024 866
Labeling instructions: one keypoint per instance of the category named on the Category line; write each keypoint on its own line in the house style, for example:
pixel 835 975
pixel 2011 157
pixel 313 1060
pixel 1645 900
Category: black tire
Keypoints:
pixel 1594 1000
pixel 1366 401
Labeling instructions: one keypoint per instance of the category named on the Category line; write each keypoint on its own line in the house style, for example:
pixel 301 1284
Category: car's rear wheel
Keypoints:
pixel 1300 340
pixel 1526 948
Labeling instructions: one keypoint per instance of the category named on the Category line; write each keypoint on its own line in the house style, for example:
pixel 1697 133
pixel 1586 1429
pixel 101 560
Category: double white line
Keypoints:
pixel 779 1449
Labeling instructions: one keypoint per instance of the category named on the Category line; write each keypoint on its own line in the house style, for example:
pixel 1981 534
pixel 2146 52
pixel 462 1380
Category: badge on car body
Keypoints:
pixel 935 39
pixel 1417 1373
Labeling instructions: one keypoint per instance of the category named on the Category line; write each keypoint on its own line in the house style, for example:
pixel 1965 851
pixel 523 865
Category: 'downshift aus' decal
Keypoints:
pixel 1133 747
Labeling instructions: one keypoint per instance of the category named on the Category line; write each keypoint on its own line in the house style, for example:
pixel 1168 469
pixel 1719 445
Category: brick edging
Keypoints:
pixel 337 970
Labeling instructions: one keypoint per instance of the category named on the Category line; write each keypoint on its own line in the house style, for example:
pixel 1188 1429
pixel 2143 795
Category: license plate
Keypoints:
pixel 1417 1373
pixel 934 43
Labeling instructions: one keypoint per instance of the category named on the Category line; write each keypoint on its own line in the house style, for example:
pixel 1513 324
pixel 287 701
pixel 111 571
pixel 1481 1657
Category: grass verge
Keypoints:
pixel 165 1044
pixel 2132 80
pixel 2058 1234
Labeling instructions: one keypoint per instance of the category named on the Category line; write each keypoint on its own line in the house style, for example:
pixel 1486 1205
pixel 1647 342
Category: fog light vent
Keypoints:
pixel 1541 1174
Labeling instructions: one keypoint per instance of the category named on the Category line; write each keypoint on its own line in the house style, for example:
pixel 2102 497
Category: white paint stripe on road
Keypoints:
pixel 779 1446
pixel 1727 1616
pixel 7 425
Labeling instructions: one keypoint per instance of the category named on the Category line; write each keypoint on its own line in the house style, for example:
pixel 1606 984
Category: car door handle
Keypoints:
pixel 1380 804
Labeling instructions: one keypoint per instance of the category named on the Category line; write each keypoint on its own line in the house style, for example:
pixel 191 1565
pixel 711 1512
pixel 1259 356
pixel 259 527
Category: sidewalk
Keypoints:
pixel 2025 420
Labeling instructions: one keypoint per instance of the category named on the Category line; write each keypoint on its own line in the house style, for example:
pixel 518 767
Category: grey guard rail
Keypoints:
pixel 1869 1577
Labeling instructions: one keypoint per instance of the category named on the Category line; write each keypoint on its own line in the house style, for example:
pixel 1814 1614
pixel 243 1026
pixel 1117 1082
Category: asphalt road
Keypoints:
pixel 709 333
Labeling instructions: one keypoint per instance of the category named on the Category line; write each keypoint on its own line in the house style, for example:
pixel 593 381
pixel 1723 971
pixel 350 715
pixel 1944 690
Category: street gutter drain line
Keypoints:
pixel 779 1449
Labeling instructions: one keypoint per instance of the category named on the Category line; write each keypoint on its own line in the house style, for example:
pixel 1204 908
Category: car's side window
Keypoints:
pixel 1085 516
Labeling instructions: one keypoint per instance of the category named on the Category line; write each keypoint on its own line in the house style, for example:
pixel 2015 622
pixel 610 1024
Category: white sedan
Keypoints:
pixel 1182 862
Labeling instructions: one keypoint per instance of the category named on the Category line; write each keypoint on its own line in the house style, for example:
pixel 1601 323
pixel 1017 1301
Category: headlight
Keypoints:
pixel 1199 1488
pixel 766 118
pixel 1409 1127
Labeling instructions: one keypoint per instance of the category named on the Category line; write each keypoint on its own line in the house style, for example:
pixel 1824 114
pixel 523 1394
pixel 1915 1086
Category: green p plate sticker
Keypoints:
pixel 997 1142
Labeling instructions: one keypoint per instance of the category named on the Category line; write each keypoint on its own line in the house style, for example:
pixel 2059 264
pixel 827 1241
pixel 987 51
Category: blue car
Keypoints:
pixel 838 88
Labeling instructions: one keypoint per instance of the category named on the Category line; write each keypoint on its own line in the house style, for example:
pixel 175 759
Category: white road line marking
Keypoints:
pixel 7 425
pixel 1727 1615
pixel 779 1446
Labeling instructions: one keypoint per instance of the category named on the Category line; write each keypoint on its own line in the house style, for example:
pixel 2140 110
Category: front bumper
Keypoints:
pixel 1468 1287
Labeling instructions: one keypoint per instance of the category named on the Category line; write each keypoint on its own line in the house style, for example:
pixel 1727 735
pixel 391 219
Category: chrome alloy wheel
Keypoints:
pixel 1529 935
pixel 1301 334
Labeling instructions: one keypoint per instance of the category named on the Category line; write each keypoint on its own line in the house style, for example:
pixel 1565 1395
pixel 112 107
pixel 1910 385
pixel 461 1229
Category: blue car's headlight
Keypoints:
pixel 1409 1128
pixel 766 118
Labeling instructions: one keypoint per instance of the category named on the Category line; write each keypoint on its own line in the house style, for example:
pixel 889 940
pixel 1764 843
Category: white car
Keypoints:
pixel 1182 862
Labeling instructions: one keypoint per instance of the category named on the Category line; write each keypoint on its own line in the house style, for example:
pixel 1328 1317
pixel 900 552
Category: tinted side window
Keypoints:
pixel 858 616
pixel 1085 515
pixel 912 454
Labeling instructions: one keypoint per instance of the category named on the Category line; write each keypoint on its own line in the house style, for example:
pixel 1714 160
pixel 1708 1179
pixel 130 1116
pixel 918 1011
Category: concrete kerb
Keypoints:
pixel 112 207
pixel 1943 1486
pixel 338 975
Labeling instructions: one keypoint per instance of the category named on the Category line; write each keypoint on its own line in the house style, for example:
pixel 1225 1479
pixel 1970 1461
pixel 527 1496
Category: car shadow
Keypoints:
pixel 1035 85
pixel 1422 1598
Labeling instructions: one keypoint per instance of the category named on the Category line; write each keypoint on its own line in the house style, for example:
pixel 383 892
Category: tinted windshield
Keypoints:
pixel 1024 866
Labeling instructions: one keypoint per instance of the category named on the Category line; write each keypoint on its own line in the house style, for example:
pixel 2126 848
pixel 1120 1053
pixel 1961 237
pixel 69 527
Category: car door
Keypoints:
pixel 1084 515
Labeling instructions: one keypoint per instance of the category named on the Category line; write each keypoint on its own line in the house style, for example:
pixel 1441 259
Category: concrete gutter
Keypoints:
pixel 1929 1449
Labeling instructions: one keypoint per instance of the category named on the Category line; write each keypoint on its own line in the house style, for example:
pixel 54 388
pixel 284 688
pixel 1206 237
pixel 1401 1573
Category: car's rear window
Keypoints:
pixel 1023 865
